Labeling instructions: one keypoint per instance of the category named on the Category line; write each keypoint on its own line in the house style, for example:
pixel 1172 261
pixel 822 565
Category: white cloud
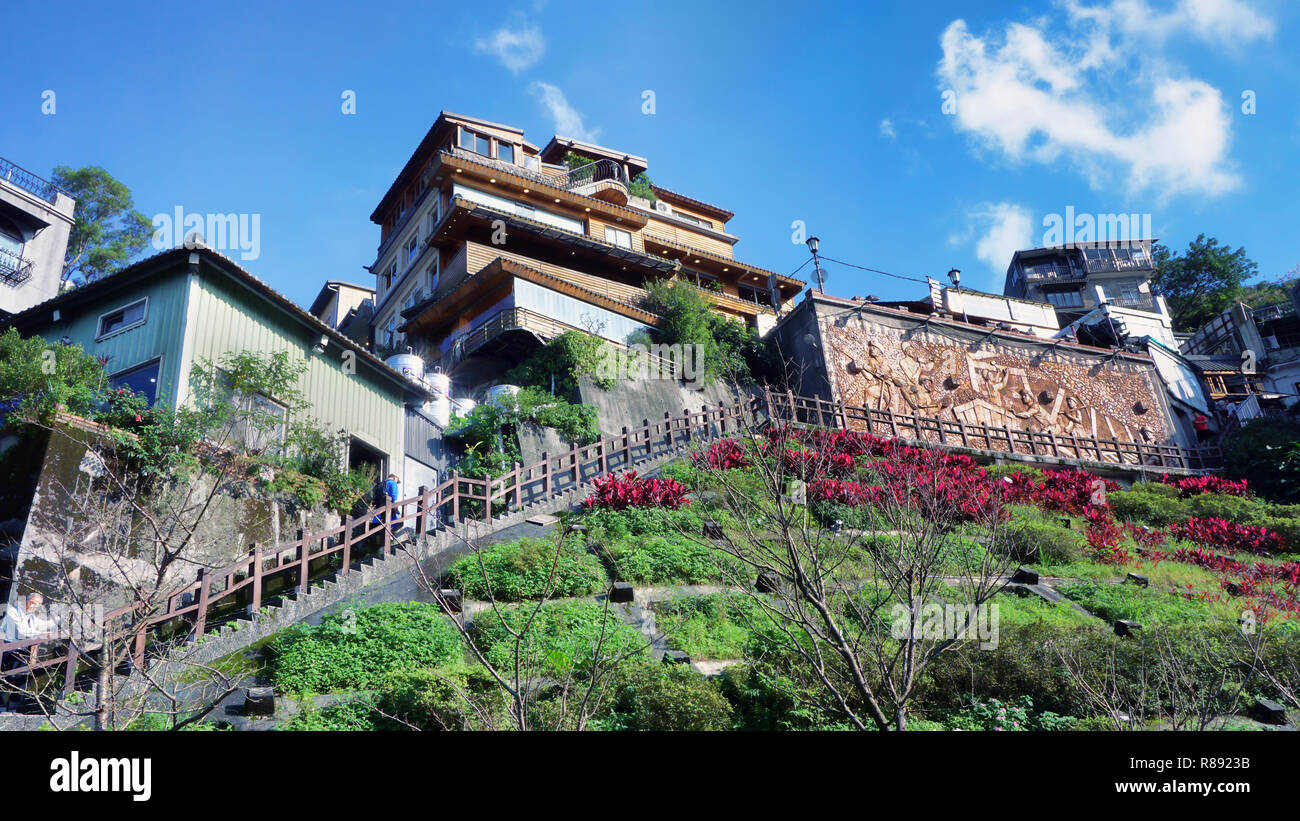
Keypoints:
pixel 1003 229
pixel 1099 93
pixel 887 129
pixel 568 122
pixel 518 47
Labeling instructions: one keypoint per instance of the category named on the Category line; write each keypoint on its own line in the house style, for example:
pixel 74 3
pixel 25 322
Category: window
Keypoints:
pixel 615 236
pixel 123 318
pixel 755 294
pixel 1065 299
pixel 431 278
pixel 11 239
pixel 532 163
pixel 263 422
pixel 142 379
pixel 475 142
pixel 412 247
pixel 435 213
pixel 692 218
pixel 506 153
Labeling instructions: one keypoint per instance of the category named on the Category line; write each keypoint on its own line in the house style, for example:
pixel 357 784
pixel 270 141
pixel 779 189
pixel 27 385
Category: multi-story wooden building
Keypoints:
pixel 489 245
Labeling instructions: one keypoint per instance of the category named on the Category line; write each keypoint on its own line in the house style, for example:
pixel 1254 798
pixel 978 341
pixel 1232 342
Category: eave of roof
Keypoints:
pixel 497 271
pixel 168 262
pixel 782 278
pixel 672 196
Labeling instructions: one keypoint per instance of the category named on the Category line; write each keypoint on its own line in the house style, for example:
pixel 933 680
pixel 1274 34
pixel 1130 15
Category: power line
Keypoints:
pixel 874 271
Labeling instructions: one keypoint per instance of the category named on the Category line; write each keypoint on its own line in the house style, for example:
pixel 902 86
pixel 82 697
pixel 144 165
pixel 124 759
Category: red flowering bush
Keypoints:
pixel 1104 537
pixel 724 455
pixel 1063 491
pixel 1225 535
pixel 1196 485
pixel 628 490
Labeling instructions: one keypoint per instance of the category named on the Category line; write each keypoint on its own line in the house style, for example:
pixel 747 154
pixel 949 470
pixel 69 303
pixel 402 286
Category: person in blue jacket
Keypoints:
pixel 392 488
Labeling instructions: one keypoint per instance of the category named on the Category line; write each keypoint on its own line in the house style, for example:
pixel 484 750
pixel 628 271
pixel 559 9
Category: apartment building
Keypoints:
pixel 35 221
pixel 1249 357
pixel 490 245
pixel 1094 284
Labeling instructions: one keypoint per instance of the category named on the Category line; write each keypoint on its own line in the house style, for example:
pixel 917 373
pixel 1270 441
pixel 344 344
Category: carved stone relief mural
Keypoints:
pixel 926 374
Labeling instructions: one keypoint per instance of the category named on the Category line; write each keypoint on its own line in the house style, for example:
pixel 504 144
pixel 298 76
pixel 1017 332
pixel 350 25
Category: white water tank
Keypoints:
pixel 440 385
pixel 408 365
pixel 440 410
pixel 464 406
pixel 498 393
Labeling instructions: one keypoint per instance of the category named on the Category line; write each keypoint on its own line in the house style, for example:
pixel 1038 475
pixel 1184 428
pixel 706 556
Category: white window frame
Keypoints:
pixel 101 334
pixel 618 233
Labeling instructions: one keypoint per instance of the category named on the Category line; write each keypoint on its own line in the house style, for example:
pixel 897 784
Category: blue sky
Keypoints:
pixel 829 114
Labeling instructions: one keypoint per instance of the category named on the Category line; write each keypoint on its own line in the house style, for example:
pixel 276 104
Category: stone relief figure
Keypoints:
pixel 947 380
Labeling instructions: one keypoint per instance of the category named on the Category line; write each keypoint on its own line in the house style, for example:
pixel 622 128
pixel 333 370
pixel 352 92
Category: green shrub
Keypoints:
pixel 561 639
pixel 762 699
pixel 356 649
pixel 1236 509
pixel 663 697
pixel 670 559
pixel 714 626
pixel 346 716
pixel 561 361
pixel 1148 508
pixel 455 697
pixel 1045 542
pixel 528 568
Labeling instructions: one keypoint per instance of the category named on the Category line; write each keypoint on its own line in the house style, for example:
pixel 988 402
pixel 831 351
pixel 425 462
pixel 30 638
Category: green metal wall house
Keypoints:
pixel 153 320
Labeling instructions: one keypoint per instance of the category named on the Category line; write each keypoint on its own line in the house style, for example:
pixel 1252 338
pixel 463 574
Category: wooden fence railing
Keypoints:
pixel 269 572
pixel 1003 438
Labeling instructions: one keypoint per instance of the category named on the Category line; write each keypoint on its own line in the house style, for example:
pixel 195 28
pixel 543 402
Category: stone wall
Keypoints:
pixel 61 546
pixel 899 363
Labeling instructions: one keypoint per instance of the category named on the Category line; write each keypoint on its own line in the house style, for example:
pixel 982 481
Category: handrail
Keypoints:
pixel 29 182
pixel 593 172
pixel 456 498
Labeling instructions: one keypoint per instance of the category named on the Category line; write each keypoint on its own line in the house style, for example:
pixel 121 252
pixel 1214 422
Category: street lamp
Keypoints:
pixel 813 244
pixel 955 275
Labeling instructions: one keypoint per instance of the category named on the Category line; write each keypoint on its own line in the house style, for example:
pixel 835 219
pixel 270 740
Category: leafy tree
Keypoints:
pixel 43 375
pixel 1202 282
pixel 108 230
pixel 1267 454
pixel 556 366
pixel 1270 293
pixel 727 348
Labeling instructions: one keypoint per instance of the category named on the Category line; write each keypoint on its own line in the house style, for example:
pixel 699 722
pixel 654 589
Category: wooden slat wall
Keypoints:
pixel 685 236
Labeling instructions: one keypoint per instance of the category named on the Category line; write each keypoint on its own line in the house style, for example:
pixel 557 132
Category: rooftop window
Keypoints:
pixel 123 318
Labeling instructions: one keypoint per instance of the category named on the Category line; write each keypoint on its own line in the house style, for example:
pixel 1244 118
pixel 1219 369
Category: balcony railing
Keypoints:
pixel 14 270
pixel 1141 303
pixel 29 182
pixel 598 171
pixel 1103 265
pixel 522 319
pixel 1267 313
pixel 1050 270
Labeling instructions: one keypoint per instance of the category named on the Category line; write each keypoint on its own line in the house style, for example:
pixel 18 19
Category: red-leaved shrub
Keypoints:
pixel 628 490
